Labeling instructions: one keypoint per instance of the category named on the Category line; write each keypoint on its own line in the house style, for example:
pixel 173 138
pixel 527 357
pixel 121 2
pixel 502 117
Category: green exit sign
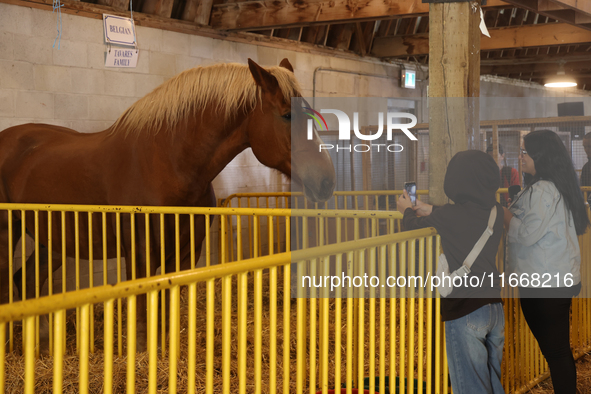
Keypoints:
pixel 408 79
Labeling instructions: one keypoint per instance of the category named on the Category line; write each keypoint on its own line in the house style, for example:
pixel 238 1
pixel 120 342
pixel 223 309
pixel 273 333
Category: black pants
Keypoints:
pixel 548 319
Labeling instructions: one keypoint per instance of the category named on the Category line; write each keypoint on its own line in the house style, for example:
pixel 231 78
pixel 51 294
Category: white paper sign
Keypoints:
pixel 483 28
pixel 119 30
pixel 122 57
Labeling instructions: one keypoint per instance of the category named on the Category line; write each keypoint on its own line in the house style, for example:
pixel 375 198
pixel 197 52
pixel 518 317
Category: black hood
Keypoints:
pixel 472 176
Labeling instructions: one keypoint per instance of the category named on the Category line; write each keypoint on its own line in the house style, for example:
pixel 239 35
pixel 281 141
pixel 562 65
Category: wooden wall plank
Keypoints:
pixel 501 38
pixel 122 5
pixel 190 10
pixel 567 11
pixel 203 14
pixel 96 11
pixel 251 15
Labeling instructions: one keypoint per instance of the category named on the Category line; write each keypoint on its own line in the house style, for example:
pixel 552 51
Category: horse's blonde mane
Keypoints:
pixel 228 87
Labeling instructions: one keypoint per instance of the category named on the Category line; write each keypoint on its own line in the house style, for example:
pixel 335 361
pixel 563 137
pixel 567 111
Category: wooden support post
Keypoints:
pixel 413 154
pixel 454 85
pixel 495 142
pixel 366 164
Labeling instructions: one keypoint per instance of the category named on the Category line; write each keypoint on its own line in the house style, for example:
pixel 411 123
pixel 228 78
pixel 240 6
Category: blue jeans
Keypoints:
pixel 475 350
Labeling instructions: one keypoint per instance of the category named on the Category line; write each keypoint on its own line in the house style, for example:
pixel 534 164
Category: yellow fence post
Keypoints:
pixel 313 372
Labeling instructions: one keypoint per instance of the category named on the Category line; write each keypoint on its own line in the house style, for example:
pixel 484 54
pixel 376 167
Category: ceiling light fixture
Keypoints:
pixel 560 80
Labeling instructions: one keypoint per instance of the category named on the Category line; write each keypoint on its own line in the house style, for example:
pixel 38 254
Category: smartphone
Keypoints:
pixel 513 190
pixel 411 189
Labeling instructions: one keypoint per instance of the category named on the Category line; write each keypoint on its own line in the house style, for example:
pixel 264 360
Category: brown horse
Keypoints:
pixel 164 150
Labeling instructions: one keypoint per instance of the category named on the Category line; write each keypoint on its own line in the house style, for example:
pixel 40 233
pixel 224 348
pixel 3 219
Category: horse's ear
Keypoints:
pixel 286 64
pixel 262 77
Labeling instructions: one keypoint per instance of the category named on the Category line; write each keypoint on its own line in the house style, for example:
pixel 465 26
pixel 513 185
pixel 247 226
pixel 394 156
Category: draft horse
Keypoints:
pixel 164 150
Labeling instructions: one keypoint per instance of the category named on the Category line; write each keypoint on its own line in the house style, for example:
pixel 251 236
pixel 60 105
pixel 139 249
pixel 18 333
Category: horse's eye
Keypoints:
pixel 287 116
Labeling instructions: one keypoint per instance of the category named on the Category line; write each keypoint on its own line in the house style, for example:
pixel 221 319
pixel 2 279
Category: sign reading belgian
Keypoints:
pixel 119 35
pixel 119 30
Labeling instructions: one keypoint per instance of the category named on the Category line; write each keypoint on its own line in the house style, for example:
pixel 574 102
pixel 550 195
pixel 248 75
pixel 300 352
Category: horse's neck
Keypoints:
pixel 206 147
pixel 194 153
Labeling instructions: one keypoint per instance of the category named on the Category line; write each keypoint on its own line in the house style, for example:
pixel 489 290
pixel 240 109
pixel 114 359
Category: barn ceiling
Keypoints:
pixel 528 37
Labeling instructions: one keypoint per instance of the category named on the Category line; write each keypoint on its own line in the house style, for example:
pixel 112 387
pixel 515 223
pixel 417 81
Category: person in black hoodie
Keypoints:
pixel 473 315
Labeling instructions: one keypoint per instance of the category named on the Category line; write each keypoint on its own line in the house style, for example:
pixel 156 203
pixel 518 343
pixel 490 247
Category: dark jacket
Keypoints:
pixel 471 181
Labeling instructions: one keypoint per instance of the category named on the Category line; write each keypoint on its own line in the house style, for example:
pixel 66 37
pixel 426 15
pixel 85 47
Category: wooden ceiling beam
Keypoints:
pixel 537 59
pixel 264 14
pixel 360 39
pixel 369 32
pixel 501 38
pixel 96 11
pixel 190 10
pixel 548 68
pixel 384 27
pixel 309 34
pixel 162 8
pixel 582 18
pixel 547 5
pixel 198 11
pixel 204 12
pixel 121 5
pixel 546 75
pixel 340 36
pixel 582 6
pixel 568 11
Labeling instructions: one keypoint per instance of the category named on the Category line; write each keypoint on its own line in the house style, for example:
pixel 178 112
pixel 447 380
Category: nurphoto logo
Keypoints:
pixel 345 130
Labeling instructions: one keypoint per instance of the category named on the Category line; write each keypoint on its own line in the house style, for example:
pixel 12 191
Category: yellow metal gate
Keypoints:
pixel 236 328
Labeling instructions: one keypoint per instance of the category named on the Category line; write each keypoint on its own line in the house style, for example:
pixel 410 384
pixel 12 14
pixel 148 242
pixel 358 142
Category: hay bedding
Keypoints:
pixel 14 377
pixel 14 381
pixel 583 379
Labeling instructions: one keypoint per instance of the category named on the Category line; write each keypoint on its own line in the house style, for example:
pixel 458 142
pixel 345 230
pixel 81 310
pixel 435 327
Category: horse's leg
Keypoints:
pixel 140 272
pixel 16 236
pixel 4 274
pixel 31 292
pixel 186 255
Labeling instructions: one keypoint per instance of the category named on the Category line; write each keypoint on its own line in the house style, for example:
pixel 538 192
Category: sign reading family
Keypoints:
pixel 120 31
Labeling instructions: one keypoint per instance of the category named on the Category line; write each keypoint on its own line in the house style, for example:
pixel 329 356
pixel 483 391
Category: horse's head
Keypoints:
pixel 278 136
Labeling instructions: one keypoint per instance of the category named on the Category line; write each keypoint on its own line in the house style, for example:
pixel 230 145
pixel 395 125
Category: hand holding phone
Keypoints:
pixel 411 189
pixel 513 190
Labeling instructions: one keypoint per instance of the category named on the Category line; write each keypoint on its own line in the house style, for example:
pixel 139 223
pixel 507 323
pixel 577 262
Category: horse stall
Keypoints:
pixel 244 326
pixel 223 328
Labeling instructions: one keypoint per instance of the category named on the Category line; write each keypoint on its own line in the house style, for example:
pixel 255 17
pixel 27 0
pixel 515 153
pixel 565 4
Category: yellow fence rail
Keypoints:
pixel 356 200
pixel 239 329
pixel 384 200
pixel 235 327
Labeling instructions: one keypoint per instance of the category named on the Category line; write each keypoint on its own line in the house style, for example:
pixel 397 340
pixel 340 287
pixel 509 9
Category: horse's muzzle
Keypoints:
pixel 323 193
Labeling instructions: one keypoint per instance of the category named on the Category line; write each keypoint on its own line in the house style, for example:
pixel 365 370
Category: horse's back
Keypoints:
pixel 31 134
pixel 17 140
pixel 34 155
